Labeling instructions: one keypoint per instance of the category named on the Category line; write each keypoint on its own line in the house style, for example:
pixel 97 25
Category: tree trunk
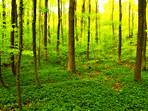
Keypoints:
pixel 97 21
pixel 49 41
pixel 1 79
pixel 62 22
pixel 13 23
pixel 113 29
pixel 88 30
pixel 4 18
pixel 141 14
pixel 58 31
pixel 19 55
pixel 71 43
pixel 39 48
pixel 129 20
pixel 132 22
pixel 144 42
pixel 45 32
pixel 82 20
pixel 75 21
pixel 34 43
pixel 120 33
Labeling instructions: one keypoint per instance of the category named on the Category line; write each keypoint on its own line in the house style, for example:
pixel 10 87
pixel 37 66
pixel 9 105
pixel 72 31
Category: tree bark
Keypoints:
pixel 61 14
pixel 144 42
pixel 88 30
pixel 13 23
pixel 1 79
pixel 4 18
pixel 97 21
pixel 45 31
pixel 39 48
pixel 82 20
pixel 34 43
pixel 141 14
pixel 120 33
pixel 58 31
pixel 19 55
pixel 75 21
pixel 129 20
pixel 113 29
pixel 71 43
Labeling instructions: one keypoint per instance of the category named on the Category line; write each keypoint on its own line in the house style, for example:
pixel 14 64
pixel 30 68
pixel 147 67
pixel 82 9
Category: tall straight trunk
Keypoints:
pixel 45 31
pixel 4 17
pixel 58 31
pixel 82 20
pixel 71 40
pixel 16 21
pixel 75 21
pixel 141 14
pixel 19 55
pixel 132 22
pixel 34 43
pixel 13 23
pixel 49 41
pixel 96 21
pixel 129 19
pixel 62 22
pixel 144 42
pixel 39 48
pixel 88 30
pixel 120 33
pixel 1 79
pixel 113 29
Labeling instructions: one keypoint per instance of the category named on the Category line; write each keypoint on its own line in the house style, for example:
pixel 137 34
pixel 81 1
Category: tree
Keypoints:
pixel 34 43
pixel 97 21
pixel 13 23
pixel 144 42
pixel 19 54
pixel 113 19
pixel 45 31
pixel 39 48
pixel 4 17
pixel 120 33
pixel 141 14
pixel 61 14
pixel 71 40
pixel 1 79
pixel 76 31
pixel 82 20
pixel 58 31
pixel 129 18
pixel 88 30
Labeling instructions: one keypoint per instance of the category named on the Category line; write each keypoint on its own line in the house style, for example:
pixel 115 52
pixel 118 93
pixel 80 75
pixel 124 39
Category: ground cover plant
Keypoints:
pixel 73 55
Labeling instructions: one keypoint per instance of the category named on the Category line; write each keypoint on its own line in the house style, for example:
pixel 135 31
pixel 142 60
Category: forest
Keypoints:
pixel 73 55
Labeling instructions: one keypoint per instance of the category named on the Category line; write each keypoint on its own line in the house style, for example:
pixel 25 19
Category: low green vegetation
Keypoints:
pixel 99 85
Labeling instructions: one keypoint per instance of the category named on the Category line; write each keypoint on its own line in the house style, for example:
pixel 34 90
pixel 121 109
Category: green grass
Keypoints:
pixel 101 86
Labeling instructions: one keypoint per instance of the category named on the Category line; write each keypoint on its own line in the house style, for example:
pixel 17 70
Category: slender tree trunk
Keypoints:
pixel 1 79
pixel 49 41
pixel 45 32
pixel 132 22
pixel 120 33
pixel 12 35
pixel 71 43
pixel 39 48
pixel 16 21
pixel 19 55
pixel 34 43
pixel 141 14
pixel 82 20
pixel 88 30
pixel 113 29
pixel 62 22
pixel 4 18
pixel 97 21
pixel 75 21
pixel 58 31
pixel 144 42
pixel 129 20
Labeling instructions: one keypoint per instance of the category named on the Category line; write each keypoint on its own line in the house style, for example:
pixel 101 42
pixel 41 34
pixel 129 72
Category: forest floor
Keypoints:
pixel 101 85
